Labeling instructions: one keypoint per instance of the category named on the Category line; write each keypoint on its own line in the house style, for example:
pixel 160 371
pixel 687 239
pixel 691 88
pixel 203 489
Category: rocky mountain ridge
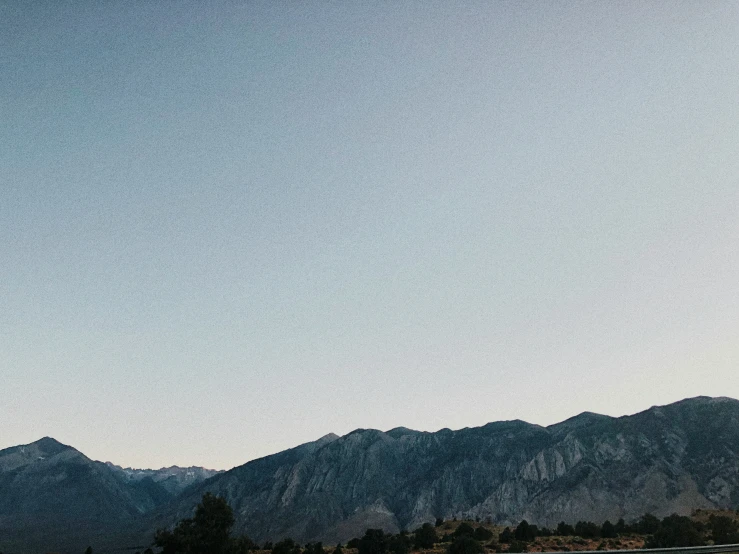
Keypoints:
pixel 667 459
pixel 673 458
pixel 173 479
pixel 51 491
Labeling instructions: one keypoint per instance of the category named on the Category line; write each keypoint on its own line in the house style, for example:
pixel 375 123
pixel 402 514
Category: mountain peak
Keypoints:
pixel 582 420
pixel 705 400
pixel 398 432
pixel 32 453
pixel 49 442
pixel 330 437
pixel 49 446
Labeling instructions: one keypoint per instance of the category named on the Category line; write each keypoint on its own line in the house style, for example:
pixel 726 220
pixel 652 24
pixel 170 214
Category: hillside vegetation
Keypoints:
pixel 209 532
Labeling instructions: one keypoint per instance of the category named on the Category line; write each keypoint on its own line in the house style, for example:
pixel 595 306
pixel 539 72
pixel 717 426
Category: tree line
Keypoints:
pixel 209 532
pixel 669 532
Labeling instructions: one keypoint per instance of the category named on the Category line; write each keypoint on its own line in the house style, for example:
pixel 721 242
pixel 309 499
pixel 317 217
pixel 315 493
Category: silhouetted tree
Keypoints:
pixel 565 530
pixel 525 532
pixel 88 550
pixel 506 536
pixel 439 522
pixel 675 531
pixel 647 524
pixel 587 530
pixel 374 541
pixel 608 530
pixel 314 548
pixel 425 536
pixel 206 533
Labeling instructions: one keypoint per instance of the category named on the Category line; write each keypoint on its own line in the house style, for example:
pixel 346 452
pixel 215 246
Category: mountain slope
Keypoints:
pixel 667 459
pixel 49 478
pixel 52 495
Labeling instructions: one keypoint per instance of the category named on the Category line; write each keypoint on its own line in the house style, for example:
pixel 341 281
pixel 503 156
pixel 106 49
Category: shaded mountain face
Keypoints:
pixel 667 459
pixel 52 495
pixel 47 478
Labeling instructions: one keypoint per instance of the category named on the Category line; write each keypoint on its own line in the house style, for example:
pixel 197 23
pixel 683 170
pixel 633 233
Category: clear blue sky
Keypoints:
pixel 232 227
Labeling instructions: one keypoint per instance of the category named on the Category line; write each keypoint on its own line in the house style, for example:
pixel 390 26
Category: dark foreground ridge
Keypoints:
pixel 667 459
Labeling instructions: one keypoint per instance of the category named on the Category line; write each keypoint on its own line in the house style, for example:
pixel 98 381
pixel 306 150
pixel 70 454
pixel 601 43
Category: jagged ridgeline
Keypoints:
pixel 667 459
pixel 674 458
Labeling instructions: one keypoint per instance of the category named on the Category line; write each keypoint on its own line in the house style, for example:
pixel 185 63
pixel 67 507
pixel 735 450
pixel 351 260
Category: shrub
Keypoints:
pixel 465 544
pixel 724 530
pixel 518 546
pixel 464 529
pixel 399 544
pixel 482 534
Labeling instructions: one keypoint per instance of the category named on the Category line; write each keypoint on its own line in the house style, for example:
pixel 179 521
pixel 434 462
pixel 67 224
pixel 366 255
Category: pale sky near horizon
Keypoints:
pixel 232 227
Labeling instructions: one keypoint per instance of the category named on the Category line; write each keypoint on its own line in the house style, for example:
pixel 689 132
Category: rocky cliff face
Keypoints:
pixel 667 459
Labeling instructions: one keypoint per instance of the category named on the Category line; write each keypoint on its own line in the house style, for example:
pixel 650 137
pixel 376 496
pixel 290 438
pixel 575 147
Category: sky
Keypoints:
pixel 228 228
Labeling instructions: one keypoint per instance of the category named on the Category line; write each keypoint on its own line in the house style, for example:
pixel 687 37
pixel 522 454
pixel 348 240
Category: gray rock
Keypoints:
pixel 669 459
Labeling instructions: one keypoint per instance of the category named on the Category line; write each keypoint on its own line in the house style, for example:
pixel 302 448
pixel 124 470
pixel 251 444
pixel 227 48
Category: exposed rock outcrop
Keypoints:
pixel 667 459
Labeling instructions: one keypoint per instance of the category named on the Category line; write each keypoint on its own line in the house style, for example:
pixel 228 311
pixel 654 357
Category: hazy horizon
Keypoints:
pixel 344 434
pixel 231 228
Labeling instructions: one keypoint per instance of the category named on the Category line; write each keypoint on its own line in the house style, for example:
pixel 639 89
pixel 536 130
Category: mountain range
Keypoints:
pixel 667 459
